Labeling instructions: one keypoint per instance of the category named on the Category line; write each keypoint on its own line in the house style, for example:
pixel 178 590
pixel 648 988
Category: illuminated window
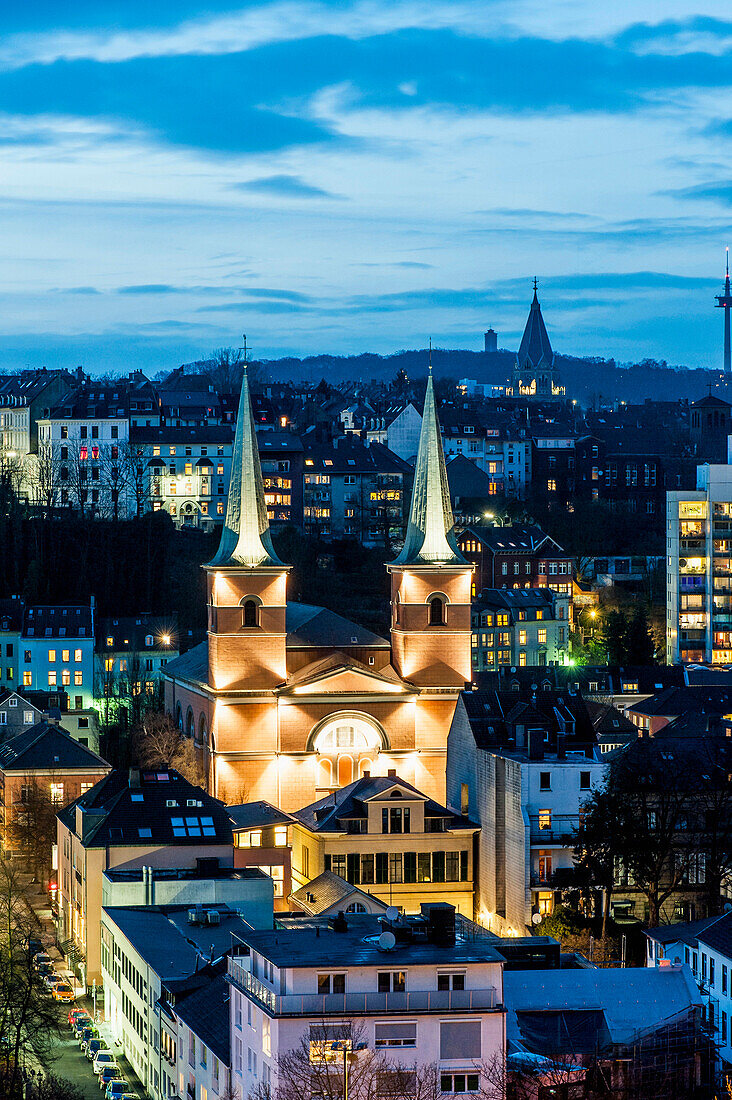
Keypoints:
pixel 522 658
pixel 542 637
pixel 172 450
pixel 27 679
pixel 220 469
pixel 281 836
pixel 77 655
pixel 51 656
pixel 545 819
pixel 110 641
pixel 188 469
pixel 66 677
pixel 551 485
pixel 522 637
pixel 65 656
pixel 51 678
pixel 78 678
pixel 57 793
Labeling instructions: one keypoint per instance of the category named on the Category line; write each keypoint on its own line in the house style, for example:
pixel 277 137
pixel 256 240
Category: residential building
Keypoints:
pixel 19 710
pixel 282 458
pixel 263 839
pixel 521 764
pixel 26 398
pixel 520 627
pixel 188 399
pixel 154 958
pixel 292 701
pixel 429 991
pixel 699 578
pixel 554 464
pixel 206 884
pixel 662 709
pixel 43 763
pixel 151 818
pixel 56 650
pixel 187 470
pixel 17 714
pixel 704 947
pixel 385 836
pixel 131 654
pixel 519 556
pixel 11 625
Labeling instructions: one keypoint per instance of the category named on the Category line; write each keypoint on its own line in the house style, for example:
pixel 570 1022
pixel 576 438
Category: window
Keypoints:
pixel 437 611
pixel 395 1035
pixel 724 981
pixel 77 656
pixel 712 967
pixel 249 616
pixel 460 1039
pixel 451 981
pixel 545 819
pixel 584 781
pixel 551 485
pixel 395 819
pixel 51 656
pixel 28 717
pixel 27 679
pixel 331 983
pixel 541 637
pixel 459 1082
pixel 545 781
pixel 193 826
pixel 280 834
pixel 391 981
pixel 78 679
pixel 57 794
pixel 51 678
pixel 65 656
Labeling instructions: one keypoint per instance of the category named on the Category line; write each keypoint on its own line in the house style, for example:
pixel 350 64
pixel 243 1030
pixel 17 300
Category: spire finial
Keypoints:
pixel 727 261
pixel 430 539
pixel 535 284
pixel 246 539
pixel 430 363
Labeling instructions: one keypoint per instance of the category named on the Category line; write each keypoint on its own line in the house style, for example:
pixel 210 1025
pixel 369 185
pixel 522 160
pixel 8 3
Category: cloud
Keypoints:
pixel 149 288
pixel 712 192
pixel 284 187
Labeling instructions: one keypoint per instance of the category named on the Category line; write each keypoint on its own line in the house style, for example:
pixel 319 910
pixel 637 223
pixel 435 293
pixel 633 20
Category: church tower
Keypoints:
pixel 246 581
pixel 534 372
pixel 430 579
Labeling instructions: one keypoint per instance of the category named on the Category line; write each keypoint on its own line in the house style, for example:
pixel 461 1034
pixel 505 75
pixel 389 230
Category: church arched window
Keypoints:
pixel 250 606
pixel 437 604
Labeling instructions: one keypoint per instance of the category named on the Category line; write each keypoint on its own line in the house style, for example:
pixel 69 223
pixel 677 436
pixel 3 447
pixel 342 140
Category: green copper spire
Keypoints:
pixel 430 538
pixel 245 540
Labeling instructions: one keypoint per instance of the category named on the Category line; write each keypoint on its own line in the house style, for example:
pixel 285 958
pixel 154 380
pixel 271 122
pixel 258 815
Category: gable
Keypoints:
pixel 344 680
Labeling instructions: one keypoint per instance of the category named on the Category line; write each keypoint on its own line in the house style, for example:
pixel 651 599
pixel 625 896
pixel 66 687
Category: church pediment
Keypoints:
pixel 340 674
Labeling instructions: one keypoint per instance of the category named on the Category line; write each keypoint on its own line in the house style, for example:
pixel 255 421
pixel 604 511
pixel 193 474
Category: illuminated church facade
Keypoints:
pixel 288 701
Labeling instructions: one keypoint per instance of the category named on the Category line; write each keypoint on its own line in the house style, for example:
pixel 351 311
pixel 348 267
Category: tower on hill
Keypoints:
pixel 724 301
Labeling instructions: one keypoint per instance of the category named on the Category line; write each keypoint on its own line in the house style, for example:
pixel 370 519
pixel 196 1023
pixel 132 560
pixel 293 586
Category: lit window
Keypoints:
pixel 77 655
pixel 51 656
pixel 280 836
pixel 542 637
pixel 551 485
pixel 522 637
pixel 51 678
pixel 110 641
pixel 65 656
pixel 57 793
pixel 545 819
pixel 66 677
pixel 27 680
pixel 78 678
pixel 255 838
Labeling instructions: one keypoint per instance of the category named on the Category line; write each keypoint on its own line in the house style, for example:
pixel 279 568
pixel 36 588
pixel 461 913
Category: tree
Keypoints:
pixel 639 644
pixel 32 826
pixel 29 1019
pixel 158 743
pixel 56 1088
pixel 45 476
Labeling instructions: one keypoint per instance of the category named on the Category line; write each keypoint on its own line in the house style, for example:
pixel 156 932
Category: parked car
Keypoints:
pixel 80 1022
pixel 34 946
pixel 51 980
pixel 107 1074
pixel 116 1089
pixel 44 970
pixel 92 1047
pixel 63 992
pixel 41 959
pixel 77 1014
pixel 103 1058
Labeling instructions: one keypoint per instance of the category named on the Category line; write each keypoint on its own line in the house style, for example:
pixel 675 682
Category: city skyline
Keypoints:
pixel 344 178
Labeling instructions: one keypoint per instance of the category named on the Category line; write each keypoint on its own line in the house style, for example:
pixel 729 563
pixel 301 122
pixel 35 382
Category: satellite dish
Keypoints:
pixel 387 941
pixel 392 913
pixel 536 918
pixel 728 907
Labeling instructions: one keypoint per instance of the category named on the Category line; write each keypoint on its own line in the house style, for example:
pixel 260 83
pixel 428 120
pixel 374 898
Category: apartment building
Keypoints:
pixel 516 556
pixel 11 625
pixel 519 627
pixel 521 763
pixel 56 650
pixel 151 818
pixel 699 570
pixel 187 470
pixel 263 839
pixel 25 399
pixel 382 834
pixel 131 654
pixel 152 960
pixel 421 990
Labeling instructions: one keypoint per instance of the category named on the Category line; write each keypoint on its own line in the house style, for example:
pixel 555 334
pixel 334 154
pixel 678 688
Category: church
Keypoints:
pixel 289 701
pixel 535 371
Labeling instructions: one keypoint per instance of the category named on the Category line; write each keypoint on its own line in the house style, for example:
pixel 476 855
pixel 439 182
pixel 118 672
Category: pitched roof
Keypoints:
pixel 251 815
pixel 328 890
pixel 430 535
pixel 348 803
pixel 245 538
pixel 310 625
pixel 206 1013
pixel 718 935
pixel 47 745
pixel 535 348
pixel 46 621
pixel 681 932
pixel 131 808
pixel 519 538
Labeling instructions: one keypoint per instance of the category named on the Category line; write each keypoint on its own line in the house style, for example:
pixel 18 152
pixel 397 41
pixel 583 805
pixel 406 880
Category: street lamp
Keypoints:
pixel 497 520
pixel 350 1054
pixel 593 615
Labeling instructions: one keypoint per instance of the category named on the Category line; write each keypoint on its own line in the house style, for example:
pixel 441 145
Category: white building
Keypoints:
pixel 521 765
pixel 699 569
pixel 187 471
pixel 426 997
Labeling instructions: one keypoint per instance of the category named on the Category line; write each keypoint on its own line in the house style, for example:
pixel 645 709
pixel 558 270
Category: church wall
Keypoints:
pixel 416 587
pixel 246 727
pixel 250 660
pixel 297 719
pixel 299 658
pixel 228 589
pixel 441 660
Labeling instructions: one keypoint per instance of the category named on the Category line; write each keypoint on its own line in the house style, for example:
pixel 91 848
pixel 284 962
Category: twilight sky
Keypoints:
pixel 359 175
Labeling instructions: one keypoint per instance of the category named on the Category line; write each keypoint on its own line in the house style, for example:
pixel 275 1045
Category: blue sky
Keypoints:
pixel 360 175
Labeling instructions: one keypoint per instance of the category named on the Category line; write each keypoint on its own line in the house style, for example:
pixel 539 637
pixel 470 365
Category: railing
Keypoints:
pixel 343 1004
pixel 560 830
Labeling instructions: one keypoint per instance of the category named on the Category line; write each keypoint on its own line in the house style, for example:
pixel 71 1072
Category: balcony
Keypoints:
pixel 360 1004
pixel 688 545
pixel 559 831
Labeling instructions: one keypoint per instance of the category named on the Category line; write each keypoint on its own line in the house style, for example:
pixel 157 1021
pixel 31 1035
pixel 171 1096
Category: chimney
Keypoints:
pixel 134 779
pixel 561 746
pixel 367 774
pixel 391 773
pixel 339 923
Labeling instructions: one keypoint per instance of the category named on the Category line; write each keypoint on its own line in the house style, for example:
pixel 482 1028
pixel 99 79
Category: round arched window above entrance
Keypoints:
pixel 346 744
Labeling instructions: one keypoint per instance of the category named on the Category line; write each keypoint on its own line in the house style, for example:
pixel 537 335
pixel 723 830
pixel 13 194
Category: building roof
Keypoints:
pixel 329 891
pixel 252 815
pixel 513 599
pixel 493 716
pixel 44 621
pixel 132 808
pixel 718 935
pixel 48 746
pixel 633 1002
pixel 519 538
pixel 681 932
pixel 130 632
pixel 11 615
pixel 246 540
pixel 310 625
pixel 535 349
pixel 674 701
pixel 430 538
pixel 172 947
pixel 199 433
pixel 299 942
pixel 206 1013
pixel 467 480
pixel 329 814
pixel 609 721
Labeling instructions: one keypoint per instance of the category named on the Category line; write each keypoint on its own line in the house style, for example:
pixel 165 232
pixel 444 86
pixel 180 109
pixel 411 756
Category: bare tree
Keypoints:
pixel 45 476
pixel 115 481
pixel 32 824
pixel 29 1019
pixel 158 743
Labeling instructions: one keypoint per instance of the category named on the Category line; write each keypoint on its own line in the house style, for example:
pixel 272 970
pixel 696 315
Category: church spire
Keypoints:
pixel 245 539
pixel 430 539
pixel 535 347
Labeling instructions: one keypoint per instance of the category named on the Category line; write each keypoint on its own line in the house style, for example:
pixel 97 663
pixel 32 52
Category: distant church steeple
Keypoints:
pixel 245 539
pixel 430 538
pixel 534 372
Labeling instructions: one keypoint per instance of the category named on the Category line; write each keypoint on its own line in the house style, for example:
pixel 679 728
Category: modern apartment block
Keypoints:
pixel 699 570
